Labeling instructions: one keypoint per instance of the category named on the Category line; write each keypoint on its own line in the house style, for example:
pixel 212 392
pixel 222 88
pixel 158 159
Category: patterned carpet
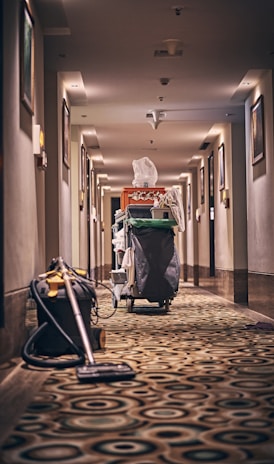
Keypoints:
pixel 203 392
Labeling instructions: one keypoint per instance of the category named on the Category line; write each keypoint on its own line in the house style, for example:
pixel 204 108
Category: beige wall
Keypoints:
pixel 223 216
pixel 203 224
pixel 238 197
pixel 58 176
pixel 24 184
pixel 189 221
pixel 75 233
pixel 24 212
pixel 64 181
pixel 260 187
pixel 230 223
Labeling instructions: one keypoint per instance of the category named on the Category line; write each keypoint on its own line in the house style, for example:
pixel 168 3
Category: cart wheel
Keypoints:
pixel 114 301
pixel 130 303
pixel 167 305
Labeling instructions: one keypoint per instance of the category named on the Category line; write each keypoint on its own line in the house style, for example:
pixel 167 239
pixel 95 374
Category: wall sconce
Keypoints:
pixel 38 144
pixel 225 198
pixel 93 214
pixel 198 214
pixel 81 199
pixel 42 161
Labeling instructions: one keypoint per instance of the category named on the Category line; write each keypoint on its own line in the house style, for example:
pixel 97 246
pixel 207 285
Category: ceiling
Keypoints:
pixel 106 51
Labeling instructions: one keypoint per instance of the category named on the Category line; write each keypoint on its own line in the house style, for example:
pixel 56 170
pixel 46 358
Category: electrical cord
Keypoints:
pixel 95 309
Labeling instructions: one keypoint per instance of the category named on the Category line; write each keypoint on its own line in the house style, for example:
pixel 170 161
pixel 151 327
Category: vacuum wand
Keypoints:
pixel 76 311
pixel 92 372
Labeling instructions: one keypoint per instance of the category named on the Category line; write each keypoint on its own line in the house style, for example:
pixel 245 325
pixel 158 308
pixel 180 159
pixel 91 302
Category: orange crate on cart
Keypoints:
pixel 140 195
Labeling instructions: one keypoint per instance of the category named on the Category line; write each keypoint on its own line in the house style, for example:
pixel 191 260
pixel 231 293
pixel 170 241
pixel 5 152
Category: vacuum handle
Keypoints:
pixel 76 311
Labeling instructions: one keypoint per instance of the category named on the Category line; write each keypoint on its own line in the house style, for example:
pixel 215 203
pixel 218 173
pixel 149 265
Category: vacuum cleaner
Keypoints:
pixel 87 370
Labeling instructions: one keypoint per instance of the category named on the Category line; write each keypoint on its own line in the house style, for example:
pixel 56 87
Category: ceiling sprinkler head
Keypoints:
pixel 178 9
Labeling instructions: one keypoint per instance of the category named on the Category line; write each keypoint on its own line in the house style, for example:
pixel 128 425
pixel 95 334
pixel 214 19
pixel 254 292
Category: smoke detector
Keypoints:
pixel 164 80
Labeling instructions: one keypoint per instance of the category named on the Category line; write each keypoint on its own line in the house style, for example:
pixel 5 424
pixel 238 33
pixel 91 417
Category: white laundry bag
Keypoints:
pixel 145 173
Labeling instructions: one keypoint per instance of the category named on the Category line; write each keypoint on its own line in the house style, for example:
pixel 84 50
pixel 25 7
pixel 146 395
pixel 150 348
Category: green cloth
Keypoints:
pixel 147 222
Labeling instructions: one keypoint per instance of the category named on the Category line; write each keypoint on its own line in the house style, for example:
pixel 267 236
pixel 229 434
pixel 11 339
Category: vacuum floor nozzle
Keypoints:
pixel 104 372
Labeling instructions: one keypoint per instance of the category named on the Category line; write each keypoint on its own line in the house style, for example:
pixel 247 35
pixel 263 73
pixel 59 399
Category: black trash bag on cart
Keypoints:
pixel 157 266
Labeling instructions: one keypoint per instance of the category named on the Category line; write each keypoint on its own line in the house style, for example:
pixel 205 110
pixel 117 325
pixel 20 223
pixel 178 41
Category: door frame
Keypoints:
pixel 211 214
pixel 2 321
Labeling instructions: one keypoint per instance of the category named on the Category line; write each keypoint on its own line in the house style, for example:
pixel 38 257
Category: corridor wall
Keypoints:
pixel 230 275
pixel 24 183
pixel 260 200
pixel 58 176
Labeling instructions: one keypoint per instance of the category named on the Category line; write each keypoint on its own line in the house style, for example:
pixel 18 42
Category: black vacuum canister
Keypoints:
pixel 51 342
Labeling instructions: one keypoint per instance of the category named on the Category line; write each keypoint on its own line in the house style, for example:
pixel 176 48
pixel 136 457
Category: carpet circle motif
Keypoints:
pixel 203 392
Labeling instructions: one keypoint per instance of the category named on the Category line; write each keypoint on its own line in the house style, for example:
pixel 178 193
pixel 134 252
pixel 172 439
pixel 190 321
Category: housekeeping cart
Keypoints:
pixel 151 260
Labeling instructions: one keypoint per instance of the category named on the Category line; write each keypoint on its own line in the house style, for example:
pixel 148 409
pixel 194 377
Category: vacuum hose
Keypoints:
pixel 27 348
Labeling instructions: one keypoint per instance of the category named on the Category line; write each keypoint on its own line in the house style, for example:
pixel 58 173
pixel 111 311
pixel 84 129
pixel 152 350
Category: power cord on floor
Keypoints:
pixel 85 284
